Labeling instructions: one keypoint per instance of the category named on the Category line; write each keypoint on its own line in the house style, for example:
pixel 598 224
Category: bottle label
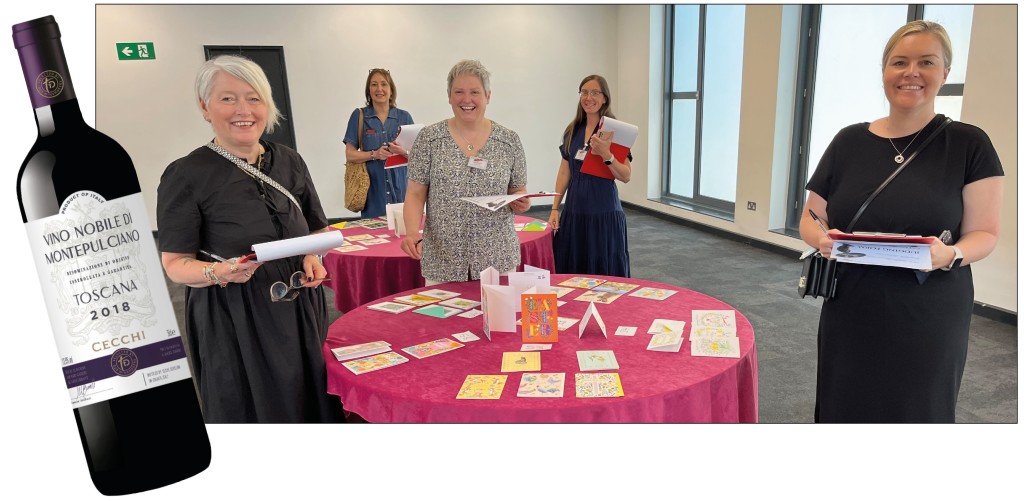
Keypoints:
pixel 105 292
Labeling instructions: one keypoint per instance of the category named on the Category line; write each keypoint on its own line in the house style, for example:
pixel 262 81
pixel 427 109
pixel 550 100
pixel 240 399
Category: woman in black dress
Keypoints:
pixel 255 358
pixel 891 348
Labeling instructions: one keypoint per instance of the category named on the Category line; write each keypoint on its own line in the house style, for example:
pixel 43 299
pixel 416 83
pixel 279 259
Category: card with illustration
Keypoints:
pixel 653 293
pixel 596 360
pixel 350 248
pixel 535 347
pixel 482 387
pixel 542 384
pixel 561 291
pixel 605 384
pixel 725 319
pixel 357 238
pixel 373 224
pixel 520 361
pixel 583 282
pixel 728 347
pixel 436 347
pixel 596 296
pixel 417 299
pixel 616 287
pixel 342 225
pixel 438 311
pixel 535 226
pixel 661 325
pixel 440 294
pixel 375 241
pixel 540 318
pixel 343 353
pixel 470 314
pixel 625 331
pixel 376 362
pixel 390 307
pixel 666 341
pixel 466 336
pixel 460 303
pixel 703 331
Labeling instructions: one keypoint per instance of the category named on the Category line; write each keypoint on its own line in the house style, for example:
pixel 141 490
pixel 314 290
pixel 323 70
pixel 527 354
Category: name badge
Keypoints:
pixel 478 162
pixel 581 154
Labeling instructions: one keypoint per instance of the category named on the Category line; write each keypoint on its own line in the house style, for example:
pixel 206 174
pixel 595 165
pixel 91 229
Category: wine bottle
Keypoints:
pixel 118 340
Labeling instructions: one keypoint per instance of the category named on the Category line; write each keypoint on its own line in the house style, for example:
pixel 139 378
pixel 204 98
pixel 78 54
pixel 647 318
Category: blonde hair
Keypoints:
pixel 920 26
pixel 470 67
pixel 245 70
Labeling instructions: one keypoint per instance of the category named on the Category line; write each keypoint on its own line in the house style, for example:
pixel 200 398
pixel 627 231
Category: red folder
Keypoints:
pixel 594 165
pixel 396 161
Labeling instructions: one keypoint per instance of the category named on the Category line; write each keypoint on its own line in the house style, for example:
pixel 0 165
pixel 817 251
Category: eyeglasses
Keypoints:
pixel 379 70
pixel 281 292
pixel 591 93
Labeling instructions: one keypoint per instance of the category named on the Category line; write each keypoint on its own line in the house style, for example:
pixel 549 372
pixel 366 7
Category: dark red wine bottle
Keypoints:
pixel 120 348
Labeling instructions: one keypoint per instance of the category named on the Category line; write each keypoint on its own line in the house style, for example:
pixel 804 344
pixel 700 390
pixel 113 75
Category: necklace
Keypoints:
pixel 469 145
pixel 899 154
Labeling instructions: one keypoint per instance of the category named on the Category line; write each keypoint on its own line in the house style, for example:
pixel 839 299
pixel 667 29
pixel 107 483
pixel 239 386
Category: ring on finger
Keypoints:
pixel 248 275
pixel 234 267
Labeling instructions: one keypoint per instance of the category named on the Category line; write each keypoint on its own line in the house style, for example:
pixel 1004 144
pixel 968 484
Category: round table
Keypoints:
pixel 658 386
pixel 381 270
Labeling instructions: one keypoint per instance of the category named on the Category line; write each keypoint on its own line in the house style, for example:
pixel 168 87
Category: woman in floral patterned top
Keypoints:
pixel 467 155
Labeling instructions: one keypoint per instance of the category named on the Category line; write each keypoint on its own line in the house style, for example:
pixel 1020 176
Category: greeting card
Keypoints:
pixel 616 287
pixel 436 347
pixel 360 350
pixel 606 384
pixel 540 318
pixel 596 360
pixel 728 347
pixel 541 384
pixel 596 296
pixel 520 361
pixel 376 362
pixel 481 387
pixel 390 307
pixel 653 293
pixel 583 282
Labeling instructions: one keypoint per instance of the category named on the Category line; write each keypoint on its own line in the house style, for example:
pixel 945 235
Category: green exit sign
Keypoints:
pixel 134 51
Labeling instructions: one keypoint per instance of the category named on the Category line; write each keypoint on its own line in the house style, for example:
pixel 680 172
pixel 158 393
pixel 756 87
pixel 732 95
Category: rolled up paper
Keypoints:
pixel 318 243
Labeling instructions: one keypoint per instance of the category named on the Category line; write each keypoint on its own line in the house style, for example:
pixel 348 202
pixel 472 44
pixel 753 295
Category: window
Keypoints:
pixel 705 70
pixel 840 76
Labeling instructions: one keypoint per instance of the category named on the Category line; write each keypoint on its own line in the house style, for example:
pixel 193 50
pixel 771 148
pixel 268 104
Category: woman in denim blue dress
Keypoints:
pixel 381 120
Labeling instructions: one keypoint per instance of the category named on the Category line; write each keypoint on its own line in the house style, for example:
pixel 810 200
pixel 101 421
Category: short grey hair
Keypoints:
pixel 470 67
pixel 245 70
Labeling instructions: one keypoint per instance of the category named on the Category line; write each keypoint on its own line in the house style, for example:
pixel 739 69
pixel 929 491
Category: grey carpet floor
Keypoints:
pixel 762 285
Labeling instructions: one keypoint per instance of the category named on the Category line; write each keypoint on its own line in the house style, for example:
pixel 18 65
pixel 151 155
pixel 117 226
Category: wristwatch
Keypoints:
pixel 609 161
pixel 958 257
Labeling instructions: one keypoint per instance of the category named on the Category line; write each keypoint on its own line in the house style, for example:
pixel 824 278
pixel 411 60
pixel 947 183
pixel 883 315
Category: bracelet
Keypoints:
pixel 212 277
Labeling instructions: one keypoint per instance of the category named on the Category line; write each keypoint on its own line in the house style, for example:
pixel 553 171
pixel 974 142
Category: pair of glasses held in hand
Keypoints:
pixel 281 291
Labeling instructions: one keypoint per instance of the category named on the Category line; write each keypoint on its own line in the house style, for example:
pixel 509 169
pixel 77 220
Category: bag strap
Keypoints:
pixel 253 172
pixel 359 138
pixel 895 173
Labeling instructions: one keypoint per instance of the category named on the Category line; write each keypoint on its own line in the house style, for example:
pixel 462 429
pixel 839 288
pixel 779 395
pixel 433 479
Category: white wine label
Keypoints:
pixel 108 303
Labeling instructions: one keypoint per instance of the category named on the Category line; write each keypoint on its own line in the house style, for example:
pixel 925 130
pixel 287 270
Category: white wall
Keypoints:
pixel 990 102
pixel 537 56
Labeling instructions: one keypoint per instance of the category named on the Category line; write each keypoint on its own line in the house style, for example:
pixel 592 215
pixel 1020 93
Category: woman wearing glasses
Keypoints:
pixel 591 230
pixel 256 353
pixel 381 120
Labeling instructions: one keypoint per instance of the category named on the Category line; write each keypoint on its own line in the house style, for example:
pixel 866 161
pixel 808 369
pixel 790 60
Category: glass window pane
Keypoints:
pixel 684 117
pixel 956 19
pixel 720 117
pixel 686 33
pixel 848 76
pixel 949 106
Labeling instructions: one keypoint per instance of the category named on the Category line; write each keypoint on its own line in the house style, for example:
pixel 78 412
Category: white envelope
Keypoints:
pixel 592 311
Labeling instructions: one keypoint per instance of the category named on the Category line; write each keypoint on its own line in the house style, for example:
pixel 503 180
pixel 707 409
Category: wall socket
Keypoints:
pixel 751 205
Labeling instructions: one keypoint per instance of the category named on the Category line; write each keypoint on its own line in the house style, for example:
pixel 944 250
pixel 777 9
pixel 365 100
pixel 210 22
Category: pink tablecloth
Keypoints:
pixel 384 269
pixel 659 387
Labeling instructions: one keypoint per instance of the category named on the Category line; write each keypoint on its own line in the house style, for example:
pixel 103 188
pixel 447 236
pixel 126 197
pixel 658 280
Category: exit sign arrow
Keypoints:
pixel 135 51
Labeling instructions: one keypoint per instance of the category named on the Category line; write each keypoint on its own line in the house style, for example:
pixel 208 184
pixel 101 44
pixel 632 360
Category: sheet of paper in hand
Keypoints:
pixel 495 202
pixel 898 255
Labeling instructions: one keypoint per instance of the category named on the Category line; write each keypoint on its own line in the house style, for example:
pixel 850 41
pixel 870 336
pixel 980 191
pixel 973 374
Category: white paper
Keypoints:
pixel 498 302
pixel 913 256
pixel 318 243
pixel 466 336
pixel 344 353
pixel 666 341
pixel 661 325
pixel 531 277
pixel 389 213
pixel 470 314
pixel 625 134
pixel 535 347
pixel 407 135
pixel 625 331
pixel 495 202
pixel 592 311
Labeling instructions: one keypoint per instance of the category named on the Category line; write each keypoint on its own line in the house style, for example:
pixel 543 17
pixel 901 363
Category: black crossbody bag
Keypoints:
pixel 818 277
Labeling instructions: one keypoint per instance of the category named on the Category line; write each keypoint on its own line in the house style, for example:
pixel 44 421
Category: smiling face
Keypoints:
pixel 914 73
pixel 468 99
pixel 590 102
pixel 379 89
pixel 236 112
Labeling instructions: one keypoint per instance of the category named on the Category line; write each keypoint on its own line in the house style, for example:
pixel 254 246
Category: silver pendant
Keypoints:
pixel 470 148
pixel 898 159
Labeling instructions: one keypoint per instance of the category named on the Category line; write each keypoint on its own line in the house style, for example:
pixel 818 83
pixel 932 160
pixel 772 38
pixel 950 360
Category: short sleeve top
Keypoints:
pixel 461 239
pixel 375 133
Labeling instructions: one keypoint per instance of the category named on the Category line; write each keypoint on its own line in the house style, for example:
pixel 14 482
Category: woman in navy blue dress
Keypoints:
pixel 590 233
pixel 381 120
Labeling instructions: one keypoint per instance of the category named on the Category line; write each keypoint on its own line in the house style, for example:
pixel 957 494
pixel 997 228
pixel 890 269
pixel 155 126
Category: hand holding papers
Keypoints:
pixel 406 137
pixel 883 250
pixel 318 243
pixel 623 136
pixel 495 202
